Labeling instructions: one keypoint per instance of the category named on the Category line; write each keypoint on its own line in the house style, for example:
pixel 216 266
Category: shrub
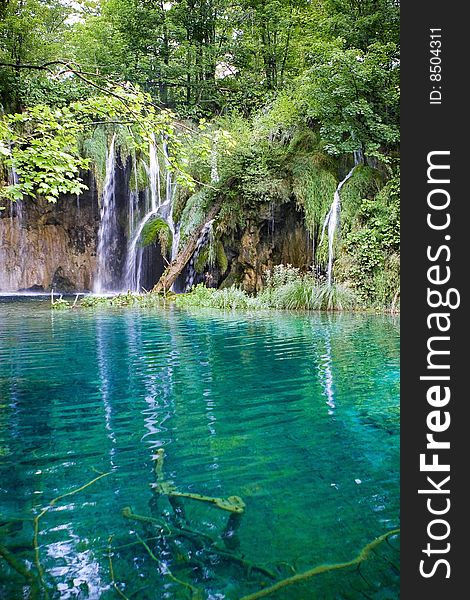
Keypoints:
pixel 286 289
pixel 227 298
pixel 128 299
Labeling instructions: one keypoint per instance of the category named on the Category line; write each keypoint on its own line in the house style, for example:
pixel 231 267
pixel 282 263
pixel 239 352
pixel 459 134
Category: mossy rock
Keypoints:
pixel 157 230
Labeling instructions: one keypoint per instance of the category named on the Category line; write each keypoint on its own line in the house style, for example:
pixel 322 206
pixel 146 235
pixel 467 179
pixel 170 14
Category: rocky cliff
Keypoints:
pixel 53 246
pixel 44 246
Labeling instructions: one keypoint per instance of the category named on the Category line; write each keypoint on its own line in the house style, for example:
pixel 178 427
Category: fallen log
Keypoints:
pixel 176 266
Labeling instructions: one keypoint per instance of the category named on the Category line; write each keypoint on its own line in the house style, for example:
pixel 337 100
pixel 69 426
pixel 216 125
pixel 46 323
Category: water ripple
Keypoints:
pixel 286 411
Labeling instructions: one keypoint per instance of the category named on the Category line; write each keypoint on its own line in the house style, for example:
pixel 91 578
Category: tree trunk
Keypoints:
pixel 174 269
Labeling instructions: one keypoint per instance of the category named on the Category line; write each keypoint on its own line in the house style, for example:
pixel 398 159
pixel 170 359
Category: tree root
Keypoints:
pixel 196 537
pixel 232 504
pixel 165 571
pixel 362 556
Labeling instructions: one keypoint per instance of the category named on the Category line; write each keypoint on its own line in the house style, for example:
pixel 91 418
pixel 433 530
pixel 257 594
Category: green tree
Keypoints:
pixel 31 33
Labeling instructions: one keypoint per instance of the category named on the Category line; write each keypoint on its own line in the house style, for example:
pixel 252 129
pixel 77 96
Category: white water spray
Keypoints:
pixel 156 204
pixel 13 239
pixel 205 237
pixel 332 221
pixel 107 238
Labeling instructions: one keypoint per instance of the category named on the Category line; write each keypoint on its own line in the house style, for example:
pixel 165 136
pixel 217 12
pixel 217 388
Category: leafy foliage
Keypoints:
pixel 42 144
pixel 371 258
pixel 49 164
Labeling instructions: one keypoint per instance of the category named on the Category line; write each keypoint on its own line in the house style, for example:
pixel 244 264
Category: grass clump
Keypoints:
pixel 307 293
pixel 228 298
pixel 299 294
pixel 128 299
pixel 337 296
pixel 286 289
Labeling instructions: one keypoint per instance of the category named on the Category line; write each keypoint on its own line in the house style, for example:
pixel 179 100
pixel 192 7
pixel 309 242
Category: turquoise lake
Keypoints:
pixel 296 414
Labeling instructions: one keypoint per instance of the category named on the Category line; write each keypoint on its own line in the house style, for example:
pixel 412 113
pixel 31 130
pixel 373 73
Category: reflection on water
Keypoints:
pixel 326 374
pixel 296 414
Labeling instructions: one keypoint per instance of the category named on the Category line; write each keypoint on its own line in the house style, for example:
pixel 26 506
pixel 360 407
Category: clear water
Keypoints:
pixel 296 414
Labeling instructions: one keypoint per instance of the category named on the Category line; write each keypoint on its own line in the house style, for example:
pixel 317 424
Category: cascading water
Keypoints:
pixel 207 234
pixel 168 205
pixel 154 176
pixel 107 232
pixel 155 205
pixel 205 237
pixel 13 236
pixel 332 221
pixel 133 266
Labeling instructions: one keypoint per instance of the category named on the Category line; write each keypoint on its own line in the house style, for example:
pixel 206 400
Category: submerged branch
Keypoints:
pixel 362 556
pixel 20 568
pixel 111 571
pixel 165 571
pixel 197 537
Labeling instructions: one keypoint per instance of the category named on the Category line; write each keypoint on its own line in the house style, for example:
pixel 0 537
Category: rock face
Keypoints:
pixel 280 238
pixel 44 246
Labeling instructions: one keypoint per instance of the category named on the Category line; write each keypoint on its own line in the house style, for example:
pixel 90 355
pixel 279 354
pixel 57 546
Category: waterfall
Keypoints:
pixel 156 200
pixel 168 205
pixel 13 237
pixel 332 221
pixel 107 232
pixel 207 234
pixel 136 222
pixel 205 237
pixel 358 157
pixel 154 176
pixel 156 204
pixel 133 267
pixel 133 274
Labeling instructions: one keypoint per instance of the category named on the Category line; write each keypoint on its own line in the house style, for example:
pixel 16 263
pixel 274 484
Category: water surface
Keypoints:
pixel 296 414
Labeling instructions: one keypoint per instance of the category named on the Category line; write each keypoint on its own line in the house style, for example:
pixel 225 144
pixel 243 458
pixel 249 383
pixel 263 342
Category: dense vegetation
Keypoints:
pixel 286 92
